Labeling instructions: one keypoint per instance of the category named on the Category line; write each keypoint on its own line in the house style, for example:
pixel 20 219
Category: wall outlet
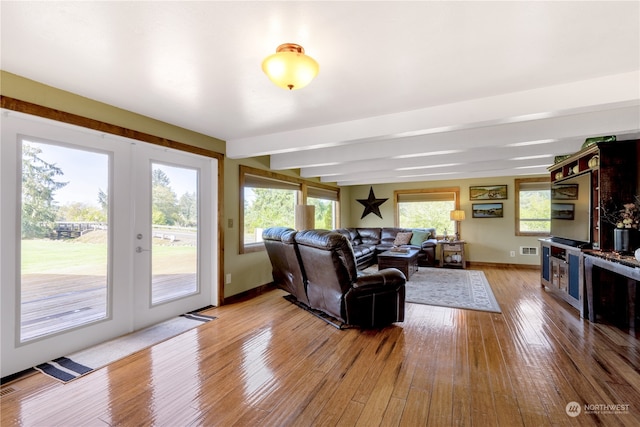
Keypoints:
pixel 227 279
pixel 230 223
pixel 512 254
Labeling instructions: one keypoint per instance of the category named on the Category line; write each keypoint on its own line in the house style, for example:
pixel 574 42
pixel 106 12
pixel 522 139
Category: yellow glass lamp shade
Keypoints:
pixel 457 215
pixel 289 67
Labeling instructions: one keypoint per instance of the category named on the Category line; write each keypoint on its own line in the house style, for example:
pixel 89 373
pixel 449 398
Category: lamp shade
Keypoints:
pixel 289 67
pixel 457 215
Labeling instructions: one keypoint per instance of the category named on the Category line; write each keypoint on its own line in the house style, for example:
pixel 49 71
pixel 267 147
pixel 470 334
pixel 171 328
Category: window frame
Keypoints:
pixel 425 192
pixel 301 199
pixel 518 186
pixel 315 191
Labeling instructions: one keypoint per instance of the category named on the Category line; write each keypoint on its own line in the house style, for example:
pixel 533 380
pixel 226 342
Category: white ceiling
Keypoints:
pixel 407 91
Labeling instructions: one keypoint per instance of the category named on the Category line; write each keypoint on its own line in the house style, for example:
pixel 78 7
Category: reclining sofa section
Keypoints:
pixel 318 267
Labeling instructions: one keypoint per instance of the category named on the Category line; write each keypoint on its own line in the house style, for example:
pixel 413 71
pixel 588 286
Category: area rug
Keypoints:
pixel 467 289
pixel 75 365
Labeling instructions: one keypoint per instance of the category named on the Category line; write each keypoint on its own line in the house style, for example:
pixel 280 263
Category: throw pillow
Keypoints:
pixel 419 237
pixel 402 238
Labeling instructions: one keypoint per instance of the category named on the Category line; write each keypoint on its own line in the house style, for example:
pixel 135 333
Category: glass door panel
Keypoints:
pixel 64 245
pixel 174 233
pixel 174 215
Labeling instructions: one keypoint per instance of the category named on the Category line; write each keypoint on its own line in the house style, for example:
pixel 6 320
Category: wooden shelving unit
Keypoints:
pixel 614 173
pixel 614 177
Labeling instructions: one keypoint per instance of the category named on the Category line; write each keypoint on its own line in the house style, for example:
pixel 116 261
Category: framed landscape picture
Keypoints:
pixel 564 192
pixel 488 192
pixel 563 211
pixel 487 210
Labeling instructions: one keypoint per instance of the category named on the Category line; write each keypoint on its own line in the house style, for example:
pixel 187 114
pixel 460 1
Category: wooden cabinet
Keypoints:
pixel 562 272
pixel 613 167
pixel 612 289
pixel 614 177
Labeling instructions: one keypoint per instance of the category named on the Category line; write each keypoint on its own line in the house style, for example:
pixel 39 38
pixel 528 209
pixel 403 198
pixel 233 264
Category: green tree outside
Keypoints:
pixel 188 210
pixel 83 212
pixel 427 214
pixel 39 184
pixel 164 209
pixel 103 201
pixel 535 211
pixel 323 213
pixel 267 207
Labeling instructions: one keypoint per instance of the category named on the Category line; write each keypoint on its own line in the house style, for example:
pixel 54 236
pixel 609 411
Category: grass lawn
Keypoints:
pixel 63 257
pixel 77 257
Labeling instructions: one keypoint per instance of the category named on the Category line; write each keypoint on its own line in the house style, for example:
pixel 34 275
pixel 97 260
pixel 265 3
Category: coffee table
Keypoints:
pixel 407 262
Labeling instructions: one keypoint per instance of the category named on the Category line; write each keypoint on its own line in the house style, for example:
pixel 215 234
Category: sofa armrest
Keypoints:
pixel 386 277
pixel 429 243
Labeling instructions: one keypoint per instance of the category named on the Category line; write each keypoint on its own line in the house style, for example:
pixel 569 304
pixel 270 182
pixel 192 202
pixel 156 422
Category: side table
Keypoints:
pixel 452 253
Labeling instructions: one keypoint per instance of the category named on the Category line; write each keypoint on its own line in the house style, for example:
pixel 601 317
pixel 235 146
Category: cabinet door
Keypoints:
pixel 546 252
pixel 563 279
pixel 574 276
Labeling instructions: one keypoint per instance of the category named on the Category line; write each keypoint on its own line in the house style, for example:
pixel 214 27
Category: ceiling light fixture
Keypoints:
pixel 289 67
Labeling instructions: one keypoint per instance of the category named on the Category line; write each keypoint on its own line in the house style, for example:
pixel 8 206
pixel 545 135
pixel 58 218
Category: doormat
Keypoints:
pixel 445 287
pixel 75 365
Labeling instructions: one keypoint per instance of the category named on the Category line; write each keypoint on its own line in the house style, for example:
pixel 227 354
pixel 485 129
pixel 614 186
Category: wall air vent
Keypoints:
pixel 528 251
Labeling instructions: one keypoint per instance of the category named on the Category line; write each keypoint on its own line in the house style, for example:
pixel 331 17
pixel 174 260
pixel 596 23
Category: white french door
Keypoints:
pixel 173 235
pixel 99 236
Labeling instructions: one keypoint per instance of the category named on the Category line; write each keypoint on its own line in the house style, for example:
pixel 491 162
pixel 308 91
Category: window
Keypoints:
pixel 326 202
pixel 269 200
pixel 64 240
pixel 174 217
pixel 533 207
pixel 427 208
pixel 266 202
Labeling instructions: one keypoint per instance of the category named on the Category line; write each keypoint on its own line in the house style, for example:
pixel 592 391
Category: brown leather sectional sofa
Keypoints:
pixel 368 242
pixel 318 267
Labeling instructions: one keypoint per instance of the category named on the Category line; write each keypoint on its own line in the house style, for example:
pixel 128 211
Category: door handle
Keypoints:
pixel 140 250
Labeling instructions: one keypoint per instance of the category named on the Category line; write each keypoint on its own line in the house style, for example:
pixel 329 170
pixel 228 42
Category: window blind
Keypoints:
pixel 426 197
pixel 322 193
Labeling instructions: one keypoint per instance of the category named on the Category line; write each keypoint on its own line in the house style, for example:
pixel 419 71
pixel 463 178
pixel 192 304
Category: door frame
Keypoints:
pixel 27 355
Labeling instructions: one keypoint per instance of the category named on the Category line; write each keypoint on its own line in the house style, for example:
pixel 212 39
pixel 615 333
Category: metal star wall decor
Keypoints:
pixel 371 205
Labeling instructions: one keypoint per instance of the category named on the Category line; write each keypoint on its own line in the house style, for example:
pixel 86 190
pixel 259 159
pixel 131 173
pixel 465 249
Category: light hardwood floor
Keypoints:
pixel 265 362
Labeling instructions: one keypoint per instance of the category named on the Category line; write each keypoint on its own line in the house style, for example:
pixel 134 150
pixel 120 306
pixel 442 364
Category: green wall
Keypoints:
pixel 490 239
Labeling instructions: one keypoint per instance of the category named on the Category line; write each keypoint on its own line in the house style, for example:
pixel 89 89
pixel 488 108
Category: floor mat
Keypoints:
pixel 75 365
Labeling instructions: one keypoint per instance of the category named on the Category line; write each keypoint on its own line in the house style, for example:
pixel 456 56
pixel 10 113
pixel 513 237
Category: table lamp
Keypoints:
pixel 457 216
